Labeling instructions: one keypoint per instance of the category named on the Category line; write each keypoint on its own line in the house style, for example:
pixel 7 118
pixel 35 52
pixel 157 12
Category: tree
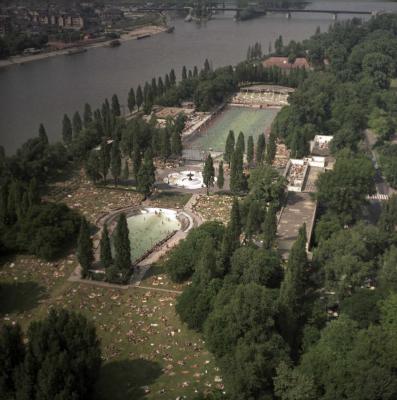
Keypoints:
pixel 240 145
pixel 87 117
pixel 115 161
pixel 33 193
pixel 250 150
pixel 85 254
pixel 184 73
pixel 195 72
pixel 160 86
pixel 208 173
pixel 344 190
pixel 63 358
pixel 229 147
pixel 131 100
pixel 271 149
pixel 235 222
pixel 43 134
pixel 66 130
pixel 139 97
pixel 146 175
pixel 207 67
pixel 221 179
pixel 176 143
pixel 77 124
pixel 260 149
pixel 165 145
pixel 93 166
pixel 269 228
pixel 12 353
pixel 237 178
pixel 172 77
pixel 104 157
pixel 116 106
pixel 105 249
pixel 122 247
pixel 293 293
pixel 278 46
pixel 126 173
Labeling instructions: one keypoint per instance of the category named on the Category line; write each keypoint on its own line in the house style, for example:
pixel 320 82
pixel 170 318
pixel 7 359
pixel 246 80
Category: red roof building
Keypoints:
pixel 282 63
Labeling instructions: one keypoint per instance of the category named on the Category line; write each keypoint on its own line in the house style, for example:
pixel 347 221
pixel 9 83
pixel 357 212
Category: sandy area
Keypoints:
pixel 145 30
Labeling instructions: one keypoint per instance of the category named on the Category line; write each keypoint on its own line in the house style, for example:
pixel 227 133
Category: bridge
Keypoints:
pixel 260 10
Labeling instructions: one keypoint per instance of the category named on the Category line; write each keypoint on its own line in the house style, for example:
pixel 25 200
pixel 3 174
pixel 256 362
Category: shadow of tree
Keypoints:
pixel 154 270
pixel 126 379
pixel 20 296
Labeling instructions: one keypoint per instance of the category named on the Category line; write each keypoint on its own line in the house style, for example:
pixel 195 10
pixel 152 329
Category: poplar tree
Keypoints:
pixel 146 175
pixel 229 147
pixel 43 134
pixel 176 143
pixel 105 248
pixel 126 173
pixel 122 247
pixel 165 147
pixel 250 150
pixel 85 254
pixel 167 82
pixel 293 293
pixel 160 86
pixel 207 66
pixel 172 78
pixel 237 172
pixel 77 123
pixel 104 157
pixel 271 149
pixel 139 97
pixel 190 74
pixel 136 162
pixel 231 238
pixel 131 100
pixel 115 161
pixel 195 72
pixel 269 228
pixel 240 145
pixel 154 88
pixel 208 173
pixel 221 179
pixel 184 73
pixel 253 219
pixel 116 106
pixel 260 149
pixel 33 192
pixel 66 130
pixel 87 116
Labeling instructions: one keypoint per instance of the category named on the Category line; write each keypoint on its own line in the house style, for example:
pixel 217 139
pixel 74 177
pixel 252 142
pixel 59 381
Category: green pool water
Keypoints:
pixel 148 229
pixel 239 119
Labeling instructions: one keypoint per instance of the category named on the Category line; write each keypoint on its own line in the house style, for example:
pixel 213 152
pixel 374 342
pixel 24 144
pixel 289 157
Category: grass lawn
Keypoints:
pixel 239 119
pixel 147 352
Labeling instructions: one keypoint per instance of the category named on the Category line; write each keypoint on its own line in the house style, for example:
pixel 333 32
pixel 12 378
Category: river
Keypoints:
pixel 42 91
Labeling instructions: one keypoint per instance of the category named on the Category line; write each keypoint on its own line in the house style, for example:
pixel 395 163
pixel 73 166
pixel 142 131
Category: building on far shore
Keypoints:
pixel 5 25
pixel 285 65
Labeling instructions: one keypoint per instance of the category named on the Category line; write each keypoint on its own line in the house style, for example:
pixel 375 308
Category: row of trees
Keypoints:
pixel 118 269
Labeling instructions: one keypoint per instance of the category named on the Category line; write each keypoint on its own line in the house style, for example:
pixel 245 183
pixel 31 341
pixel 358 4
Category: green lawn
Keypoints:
pixel 147 352
pixel 247 120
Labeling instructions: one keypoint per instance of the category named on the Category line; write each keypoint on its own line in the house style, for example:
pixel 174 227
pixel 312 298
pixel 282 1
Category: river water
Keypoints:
pixel 42 91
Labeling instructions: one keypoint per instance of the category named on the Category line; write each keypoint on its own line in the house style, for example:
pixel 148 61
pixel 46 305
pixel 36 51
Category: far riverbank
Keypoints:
pixel 149 30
